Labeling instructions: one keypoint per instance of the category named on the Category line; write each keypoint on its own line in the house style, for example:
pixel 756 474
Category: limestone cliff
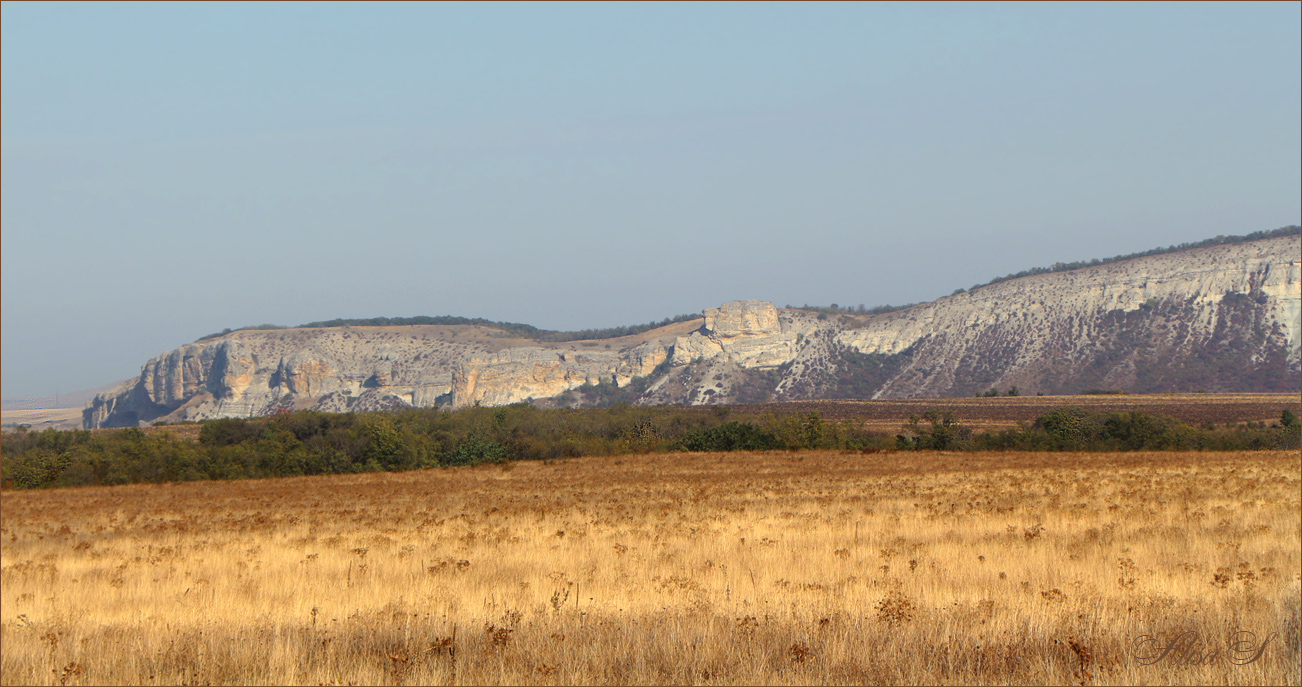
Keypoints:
pixel 1224 318
pixel 520 374
pixel 256 372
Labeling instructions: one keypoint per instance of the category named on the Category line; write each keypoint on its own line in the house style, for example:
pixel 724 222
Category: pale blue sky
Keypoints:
pixel 171 170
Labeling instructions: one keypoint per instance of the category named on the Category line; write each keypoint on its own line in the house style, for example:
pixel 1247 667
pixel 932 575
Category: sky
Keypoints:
pixel 170 170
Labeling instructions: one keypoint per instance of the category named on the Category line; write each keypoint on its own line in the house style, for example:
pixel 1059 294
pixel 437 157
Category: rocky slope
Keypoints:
pixel 1224 318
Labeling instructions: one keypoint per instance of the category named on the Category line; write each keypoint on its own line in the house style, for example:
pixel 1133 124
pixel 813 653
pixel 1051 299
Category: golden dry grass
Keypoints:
pixel 810 567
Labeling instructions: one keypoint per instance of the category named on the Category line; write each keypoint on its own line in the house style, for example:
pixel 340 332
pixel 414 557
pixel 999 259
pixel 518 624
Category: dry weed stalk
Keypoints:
pixel 727 568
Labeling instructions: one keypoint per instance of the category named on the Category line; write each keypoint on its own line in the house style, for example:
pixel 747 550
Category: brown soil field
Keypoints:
pixel 1005 412
pixel 739 568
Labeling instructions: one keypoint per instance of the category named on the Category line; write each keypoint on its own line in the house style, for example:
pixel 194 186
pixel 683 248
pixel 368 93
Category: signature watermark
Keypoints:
pixel 1188 649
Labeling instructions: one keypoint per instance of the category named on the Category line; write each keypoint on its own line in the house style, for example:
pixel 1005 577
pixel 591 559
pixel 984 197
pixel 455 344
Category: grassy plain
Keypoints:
pixel 810 567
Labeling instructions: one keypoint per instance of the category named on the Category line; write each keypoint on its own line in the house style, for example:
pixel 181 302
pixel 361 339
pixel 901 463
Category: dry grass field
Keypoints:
pixel 813 567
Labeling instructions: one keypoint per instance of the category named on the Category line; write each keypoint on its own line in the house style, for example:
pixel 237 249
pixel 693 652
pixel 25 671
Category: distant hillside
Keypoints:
pixel 42 412
pixel 1223 317
pixel 71 399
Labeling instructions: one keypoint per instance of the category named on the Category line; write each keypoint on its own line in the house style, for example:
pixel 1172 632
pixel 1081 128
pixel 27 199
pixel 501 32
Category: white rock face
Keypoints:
pixel 519 373
pixel 1062 315
pixel 1206 318
pixel 535 372
pixel 254 372
pixel 750 334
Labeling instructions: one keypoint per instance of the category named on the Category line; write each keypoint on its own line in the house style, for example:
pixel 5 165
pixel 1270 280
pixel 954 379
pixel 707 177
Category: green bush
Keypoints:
pixel 730 436
pixel 474 450
pixel 802 431
pixel 943 432
pixel 229 431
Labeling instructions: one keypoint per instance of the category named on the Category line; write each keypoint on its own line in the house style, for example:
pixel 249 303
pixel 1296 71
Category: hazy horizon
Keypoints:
pixel 173 170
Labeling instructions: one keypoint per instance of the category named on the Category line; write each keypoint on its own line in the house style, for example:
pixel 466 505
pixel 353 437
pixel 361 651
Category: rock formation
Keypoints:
pixel 1208 319
pixel 1223 318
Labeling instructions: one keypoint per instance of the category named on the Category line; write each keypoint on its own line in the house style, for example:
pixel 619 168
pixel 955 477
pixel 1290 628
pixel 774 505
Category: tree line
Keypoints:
pixel 516 329
pixel 317 443
pixel 1291 230
pixel 526 331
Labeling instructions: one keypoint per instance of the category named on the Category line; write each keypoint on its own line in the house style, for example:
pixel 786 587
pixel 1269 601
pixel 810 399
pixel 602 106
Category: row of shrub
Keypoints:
pixel 316 443
pixel 525 331
pixel 1290 230
pixel 860 309
pixel 1078 429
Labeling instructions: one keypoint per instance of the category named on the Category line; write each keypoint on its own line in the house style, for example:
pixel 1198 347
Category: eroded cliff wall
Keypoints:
pixel 249 373
pixel 1225 318
pixel 1149 324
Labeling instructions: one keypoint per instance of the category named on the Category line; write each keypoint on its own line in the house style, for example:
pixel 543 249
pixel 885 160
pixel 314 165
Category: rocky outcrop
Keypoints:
pixel 521 374
pixel 1225 318
pixel 1092 327
pixel 751 334
pixel 518 374
pixel 255 372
